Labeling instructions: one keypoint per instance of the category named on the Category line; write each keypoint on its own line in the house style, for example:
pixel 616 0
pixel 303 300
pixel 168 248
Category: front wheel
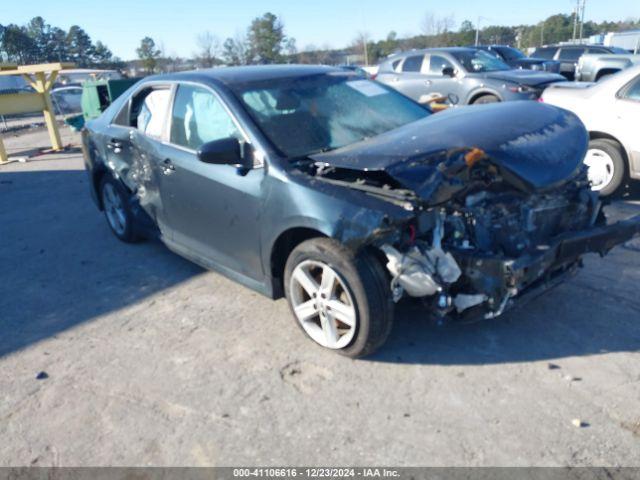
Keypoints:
pixel 341 300
pixel 606 166
pixel 484 99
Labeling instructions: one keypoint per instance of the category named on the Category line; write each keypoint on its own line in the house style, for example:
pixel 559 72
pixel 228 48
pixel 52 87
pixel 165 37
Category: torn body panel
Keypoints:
pixel 504 223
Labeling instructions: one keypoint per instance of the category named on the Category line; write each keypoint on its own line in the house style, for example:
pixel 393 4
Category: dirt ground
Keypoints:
pixel 150 360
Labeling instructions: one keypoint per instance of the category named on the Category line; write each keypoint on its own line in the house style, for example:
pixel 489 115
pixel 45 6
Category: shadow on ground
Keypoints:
pixel 62 267
pixel 60 264
pixel 43 153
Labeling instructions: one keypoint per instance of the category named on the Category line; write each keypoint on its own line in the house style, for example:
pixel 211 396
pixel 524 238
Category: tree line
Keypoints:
pixel 39 42
pixel 441 32
pixel 265 41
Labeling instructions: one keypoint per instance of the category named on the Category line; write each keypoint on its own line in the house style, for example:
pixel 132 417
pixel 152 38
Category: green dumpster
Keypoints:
pixel 97 95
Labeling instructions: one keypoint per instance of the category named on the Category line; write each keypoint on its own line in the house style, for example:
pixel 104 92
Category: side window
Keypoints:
pixel 199 117
pixel 571 54
pixel 153 112
pixel 437 63
pixel 413 64
pixel 597 50
pixel 632 92
pixel 146 110
pixel 394 65
pixel 545 52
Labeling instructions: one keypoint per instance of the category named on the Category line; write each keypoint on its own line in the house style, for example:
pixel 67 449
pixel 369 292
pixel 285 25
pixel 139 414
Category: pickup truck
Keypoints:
pixel 596 66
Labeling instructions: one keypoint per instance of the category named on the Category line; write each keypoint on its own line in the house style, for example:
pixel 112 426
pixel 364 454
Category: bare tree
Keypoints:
pixel 208 49
pixel 429 25
pixel 360 45
pixel 436 29
pixel 234 50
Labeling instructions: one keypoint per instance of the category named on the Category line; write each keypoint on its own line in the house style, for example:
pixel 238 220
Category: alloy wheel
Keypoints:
pixel 112 202
pixel 323 304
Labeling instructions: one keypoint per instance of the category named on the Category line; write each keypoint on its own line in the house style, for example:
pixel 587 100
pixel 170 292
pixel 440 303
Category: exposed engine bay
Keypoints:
pixel 482 236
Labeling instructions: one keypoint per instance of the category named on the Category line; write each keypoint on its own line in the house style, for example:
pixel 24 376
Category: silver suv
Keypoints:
pixel 463 75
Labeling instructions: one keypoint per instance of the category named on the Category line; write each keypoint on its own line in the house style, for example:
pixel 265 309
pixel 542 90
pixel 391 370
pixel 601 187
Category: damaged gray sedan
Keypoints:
pixel 346 196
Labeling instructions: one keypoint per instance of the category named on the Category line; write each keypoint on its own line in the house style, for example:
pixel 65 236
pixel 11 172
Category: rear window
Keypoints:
pixel 571 54
pixel 619 50
pixel 545 52
pixel 510 53
pixel 413 64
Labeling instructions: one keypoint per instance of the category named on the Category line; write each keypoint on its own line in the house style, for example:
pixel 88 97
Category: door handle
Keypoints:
pixel 428 82
pixel 167 167
pixel 114 145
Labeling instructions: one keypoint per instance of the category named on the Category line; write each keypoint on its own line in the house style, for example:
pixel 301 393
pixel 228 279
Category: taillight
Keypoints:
pixel 374 76
pixel 541 100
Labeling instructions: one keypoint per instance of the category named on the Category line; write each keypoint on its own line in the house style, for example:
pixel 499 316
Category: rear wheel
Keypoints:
pixel 606 166
pixel 117 210
pixel 485 99
pixel 604 75
pixel 340 300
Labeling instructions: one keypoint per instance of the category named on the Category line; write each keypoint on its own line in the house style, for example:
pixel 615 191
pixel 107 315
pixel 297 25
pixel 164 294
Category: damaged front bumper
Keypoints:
pixel 489 285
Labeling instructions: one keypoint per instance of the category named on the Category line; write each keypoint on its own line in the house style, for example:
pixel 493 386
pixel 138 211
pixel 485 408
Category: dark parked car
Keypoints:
pixel 516 59
pixel 463 75
pixel 569 55
pixel 345 195
pixel 356 69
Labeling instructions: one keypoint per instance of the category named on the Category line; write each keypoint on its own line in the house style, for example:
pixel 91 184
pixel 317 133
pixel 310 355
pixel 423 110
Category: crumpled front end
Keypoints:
pixel 483 249
pixel 495 216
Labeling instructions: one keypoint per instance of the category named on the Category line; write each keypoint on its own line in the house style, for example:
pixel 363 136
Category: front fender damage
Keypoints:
pixel 478 237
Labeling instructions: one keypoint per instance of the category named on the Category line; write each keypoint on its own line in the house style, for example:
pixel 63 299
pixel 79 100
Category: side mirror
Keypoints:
pixel 225 151
pixel 448 72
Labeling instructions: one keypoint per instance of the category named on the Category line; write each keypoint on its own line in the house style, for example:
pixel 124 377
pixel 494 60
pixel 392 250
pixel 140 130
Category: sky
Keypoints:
pixel 175 24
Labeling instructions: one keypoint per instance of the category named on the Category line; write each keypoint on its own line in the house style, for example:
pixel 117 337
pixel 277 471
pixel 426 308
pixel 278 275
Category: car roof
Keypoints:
pixel 490 45
pixel 429 50
pixel 254 73
pixel 585 45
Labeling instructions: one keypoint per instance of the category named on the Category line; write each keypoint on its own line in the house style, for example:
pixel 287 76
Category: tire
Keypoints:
pixel 361 283
pixel 603 76
pixel 117 209
pixel 484 99
pixel 610 152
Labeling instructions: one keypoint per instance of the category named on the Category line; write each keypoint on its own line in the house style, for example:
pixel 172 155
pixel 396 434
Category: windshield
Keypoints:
pixel 510 53
pixel 477 61
pixel 618 50
pixel 305 115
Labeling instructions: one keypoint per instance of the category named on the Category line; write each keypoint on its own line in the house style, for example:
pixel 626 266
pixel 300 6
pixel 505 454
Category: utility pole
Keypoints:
pixel 582 19
pixel 575 21
pixel 478 31
pixel 542 33
pixel 366 51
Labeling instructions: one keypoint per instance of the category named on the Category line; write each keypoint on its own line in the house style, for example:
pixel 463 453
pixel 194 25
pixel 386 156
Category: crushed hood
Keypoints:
pixel 541 145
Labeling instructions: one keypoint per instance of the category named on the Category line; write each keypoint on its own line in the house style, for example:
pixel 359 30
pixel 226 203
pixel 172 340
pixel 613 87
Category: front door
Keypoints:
pixel 442 85
pixel 411 81
pixel 214 211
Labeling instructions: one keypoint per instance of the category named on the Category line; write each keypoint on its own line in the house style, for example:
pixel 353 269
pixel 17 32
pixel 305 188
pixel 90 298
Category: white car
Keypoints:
pixel 610 110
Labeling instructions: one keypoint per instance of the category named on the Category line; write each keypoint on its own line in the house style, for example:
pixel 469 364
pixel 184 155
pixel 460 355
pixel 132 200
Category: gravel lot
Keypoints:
pixel 153 361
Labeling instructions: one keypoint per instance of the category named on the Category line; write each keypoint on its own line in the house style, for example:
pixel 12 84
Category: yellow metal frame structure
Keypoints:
pixel 41 78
